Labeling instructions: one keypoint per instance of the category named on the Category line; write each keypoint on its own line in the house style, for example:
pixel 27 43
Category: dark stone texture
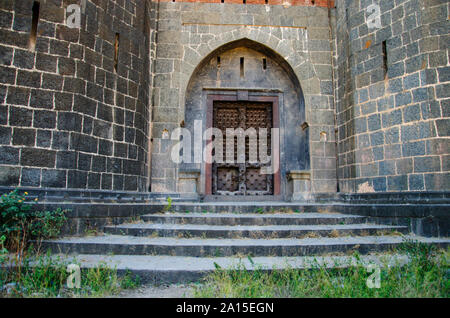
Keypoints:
pixel 23 59
pixel 18 96
pixel 64 80
pixel 37 157
pixel 41 99
pixel 397 183
pixel 44 119
pixel 30 177
pixel 43 138
pixel 23 137
pixel 77 179
pixel 66 160
pixel 54 178
pixel 29 79
pixel 69 121
pixel 9 155
pixel 10 176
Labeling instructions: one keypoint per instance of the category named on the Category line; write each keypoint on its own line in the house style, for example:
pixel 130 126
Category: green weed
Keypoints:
pixel 425 275
pixel 46 276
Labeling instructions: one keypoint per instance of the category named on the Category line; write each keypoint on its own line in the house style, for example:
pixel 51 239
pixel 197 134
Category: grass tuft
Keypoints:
pixel 425 275
pixel 47 276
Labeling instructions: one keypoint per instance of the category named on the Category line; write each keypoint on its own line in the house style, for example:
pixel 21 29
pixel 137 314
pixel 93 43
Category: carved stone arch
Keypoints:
pixel 300 68
pixel 281 81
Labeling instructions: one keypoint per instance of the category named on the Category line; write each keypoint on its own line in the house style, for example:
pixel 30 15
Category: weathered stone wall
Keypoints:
pixel 68 119
pixel 392 108
pixel 188 32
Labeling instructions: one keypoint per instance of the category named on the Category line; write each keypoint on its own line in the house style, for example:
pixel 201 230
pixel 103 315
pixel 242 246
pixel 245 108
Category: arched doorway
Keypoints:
pixel 244 84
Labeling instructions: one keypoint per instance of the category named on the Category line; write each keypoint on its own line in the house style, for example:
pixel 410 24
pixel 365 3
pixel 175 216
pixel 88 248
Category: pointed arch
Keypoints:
pixel 297 66
pixel 280 81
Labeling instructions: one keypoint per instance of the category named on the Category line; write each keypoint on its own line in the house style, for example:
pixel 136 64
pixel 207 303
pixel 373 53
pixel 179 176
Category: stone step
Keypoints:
pixel 251 231
pixel 175 269
pixel 235 205
pixel 253 218
pixel 196 247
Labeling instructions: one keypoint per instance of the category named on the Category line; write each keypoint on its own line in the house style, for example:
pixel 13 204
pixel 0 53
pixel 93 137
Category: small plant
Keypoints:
pixel 93 232
pixel 101 279
pixel 217 252
pixel 259 210
pixel 169 204
pixel 250 259
pixel 129 281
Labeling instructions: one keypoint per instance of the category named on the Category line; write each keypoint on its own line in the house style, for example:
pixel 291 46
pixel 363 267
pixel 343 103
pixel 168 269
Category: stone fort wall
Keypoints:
pixel 392 96
pixel 70 116
pixel 86 108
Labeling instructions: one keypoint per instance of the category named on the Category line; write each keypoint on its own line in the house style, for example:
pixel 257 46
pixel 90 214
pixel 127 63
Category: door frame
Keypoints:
pixel 242 96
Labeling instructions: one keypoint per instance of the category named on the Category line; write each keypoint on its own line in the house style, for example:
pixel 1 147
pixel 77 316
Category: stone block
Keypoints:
pixel 427 164
pixel 24 137
pixel 397 183
pixel 30 177
pixel 443 127
pixel 53 178
pixel 300 184
pixel 9 176
pixel 9 155
pixel 37 157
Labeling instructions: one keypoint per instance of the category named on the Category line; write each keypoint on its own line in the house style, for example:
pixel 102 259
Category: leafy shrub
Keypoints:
pixel 19 223
pixel 48 224
pixel 3 250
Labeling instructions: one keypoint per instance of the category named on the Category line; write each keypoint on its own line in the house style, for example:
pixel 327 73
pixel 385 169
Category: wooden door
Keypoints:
pixel 242 178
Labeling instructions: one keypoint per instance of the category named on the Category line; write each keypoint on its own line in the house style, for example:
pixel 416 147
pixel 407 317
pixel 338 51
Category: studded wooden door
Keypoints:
pixel 239 178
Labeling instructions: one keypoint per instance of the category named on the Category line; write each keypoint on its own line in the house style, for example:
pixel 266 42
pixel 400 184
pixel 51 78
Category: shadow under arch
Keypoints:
pixel 294 148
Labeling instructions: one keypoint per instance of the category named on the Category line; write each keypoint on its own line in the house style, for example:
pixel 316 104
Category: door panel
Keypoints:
pixel 242 178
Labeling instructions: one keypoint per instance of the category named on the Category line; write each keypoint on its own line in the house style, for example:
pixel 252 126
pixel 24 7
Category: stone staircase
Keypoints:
pixel 179 247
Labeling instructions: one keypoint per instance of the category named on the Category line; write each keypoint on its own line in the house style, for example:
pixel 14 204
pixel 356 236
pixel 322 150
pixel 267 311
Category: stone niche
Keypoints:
pixel 246 66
